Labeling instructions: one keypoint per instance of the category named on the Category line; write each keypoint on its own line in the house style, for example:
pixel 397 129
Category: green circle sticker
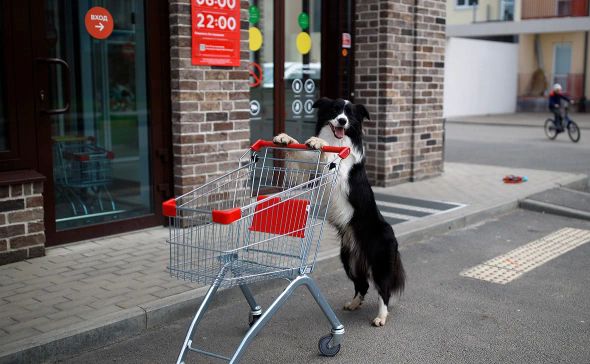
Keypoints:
pixel 254 14
pixel 303 20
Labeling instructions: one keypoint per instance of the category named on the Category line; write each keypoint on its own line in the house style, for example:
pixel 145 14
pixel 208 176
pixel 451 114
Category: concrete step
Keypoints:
pixel 560 201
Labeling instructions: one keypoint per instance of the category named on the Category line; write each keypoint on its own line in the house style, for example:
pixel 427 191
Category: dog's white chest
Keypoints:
pixel 341 210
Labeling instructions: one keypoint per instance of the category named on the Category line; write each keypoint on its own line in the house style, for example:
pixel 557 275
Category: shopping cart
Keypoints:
pixel 261 221
pixel 82 173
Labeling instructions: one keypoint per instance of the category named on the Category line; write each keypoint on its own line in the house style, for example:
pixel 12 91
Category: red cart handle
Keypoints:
pixel 342 152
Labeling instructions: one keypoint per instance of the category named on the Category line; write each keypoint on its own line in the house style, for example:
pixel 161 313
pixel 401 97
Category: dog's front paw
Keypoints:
pixel 379 321
pixel 356 303
pixel 284 139
pixel 316 143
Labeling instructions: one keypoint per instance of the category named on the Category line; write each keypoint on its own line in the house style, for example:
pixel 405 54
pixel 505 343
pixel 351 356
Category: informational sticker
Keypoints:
pixel 256 75
pixel 99 22
pixel 297 107
pixel 297 85
pixel 215 32
pixel 255 107
pixel 346 40
pixel 309 86
pixel 308 107
pixel 303 43
pixel 255 42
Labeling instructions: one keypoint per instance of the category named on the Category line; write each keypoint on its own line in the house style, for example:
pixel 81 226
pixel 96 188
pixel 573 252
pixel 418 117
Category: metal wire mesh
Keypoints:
pixel 283 198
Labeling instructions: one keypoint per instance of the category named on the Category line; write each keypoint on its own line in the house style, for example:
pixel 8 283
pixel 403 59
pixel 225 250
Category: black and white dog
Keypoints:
pixel 368 244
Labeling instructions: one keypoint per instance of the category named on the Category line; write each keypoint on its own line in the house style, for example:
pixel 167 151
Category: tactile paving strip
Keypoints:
pixel 507 267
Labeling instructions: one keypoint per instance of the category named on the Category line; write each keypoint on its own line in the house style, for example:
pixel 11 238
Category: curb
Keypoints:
pixel 489 123
pixel 548 208
pixel 134 321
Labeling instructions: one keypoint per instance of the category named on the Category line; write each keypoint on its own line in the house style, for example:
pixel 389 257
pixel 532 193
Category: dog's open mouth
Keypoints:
pixel 338 131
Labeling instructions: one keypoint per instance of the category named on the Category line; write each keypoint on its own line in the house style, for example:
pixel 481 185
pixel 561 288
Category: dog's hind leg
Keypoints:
pixel 357 276
pixel 384 295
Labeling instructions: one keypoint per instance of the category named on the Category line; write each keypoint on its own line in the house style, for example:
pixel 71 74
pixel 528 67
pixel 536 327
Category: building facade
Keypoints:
pixel 98 129
pixel 551 40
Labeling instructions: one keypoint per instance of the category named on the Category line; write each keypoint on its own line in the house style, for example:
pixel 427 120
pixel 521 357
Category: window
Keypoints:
pixel 466 3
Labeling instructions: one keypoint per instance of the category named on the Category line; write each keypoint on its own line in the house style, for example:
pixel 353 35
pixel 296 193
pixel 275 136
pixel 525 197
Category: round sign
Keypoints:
pixel 255 72
pixel 297 106
pixel 303 20
pixel 254 14
pixel 99 22
pixel 303 43
pixel 254 107
pixel 308 106
pixel 255 39
pixel 297 85
pixel 309 86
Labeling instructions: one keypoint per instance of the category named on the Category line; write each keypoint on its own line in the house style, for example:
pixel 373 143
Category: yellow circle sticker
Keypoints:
pixel 255 39
pixel 303 43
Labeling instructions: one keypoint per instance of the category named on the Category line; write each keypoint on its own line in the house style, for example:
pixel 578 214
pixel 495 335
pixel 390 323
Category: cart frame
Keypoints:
pixel 276 235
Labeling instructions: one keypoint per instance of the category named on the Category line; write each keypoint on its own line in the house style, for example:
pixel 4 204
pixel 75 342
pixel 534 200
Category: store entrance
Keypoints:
pixel 100 144
pixel 299 51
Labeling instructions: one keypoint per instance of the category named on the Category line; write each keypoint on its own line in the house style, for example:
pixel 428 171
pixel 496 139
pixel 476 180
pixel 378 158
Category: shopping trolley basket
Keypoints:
pixel 81 166
pixel 263 220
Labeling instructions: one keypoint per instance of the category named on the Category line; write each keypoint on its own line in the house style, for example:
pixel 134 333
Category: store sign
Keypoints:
pixel 215 32
pixel 99 22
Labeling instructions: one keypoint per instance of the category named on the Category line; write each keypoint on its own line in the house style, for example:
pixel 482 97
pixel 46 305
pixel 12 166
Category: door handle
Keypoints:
pixel 66 83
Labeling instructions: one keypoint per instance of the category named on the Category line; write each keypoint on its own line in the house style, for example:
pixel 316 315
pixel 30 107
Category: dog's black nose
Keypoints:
pixel 341 121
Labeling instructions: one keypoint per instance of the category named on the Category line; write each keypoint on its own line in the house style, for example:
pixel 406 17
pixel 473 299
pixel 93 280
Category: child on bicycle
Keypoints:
pixel 555 98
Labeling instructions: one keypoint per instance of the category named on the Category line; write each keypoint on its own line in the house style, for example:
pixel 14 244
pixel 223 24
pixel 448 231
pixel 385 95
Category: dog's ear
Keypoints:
pixel 361 112
pixel 322 102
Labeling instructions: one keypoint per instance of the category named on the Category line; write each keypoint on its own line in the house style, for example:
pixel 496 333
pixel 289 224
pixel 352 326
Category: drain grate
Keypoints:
pixel 515 263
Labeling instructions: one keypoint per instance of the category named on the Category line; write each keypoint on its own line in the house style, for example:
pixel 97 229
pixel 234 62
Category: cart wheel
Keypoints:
pixel 253 318
pixel 325 349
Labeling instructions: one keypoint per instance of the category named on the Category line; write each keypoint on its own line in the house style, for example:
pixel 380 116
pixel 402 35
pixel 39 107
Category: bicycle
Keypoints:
pixel 573 131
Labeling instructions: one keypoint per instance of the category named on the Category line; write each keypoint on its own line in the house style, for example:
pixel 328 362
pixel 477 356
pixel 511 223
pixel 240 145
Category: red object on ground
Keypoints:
pixel 514 179
pixel 99 22
pixel 276 217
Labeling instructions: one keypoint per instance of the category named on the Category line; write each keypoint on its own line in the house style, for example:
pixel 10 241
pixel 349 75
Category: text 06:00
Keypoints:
pixel 221 3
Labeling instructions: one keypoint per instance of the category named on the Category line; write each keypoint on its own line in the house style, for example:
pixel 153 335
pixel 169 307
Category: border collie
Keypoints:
pixel 369 248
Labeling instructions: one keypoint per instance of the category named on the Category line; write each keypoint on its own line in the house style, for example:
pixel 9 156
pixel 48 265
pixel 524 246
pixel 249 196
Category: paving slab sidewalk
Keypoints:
pixel 92 293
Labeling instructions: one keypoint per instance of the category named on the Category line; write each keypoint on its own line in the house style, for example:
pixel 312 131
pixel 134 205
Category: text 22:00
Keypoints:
pixel 221 3
pixel 221 22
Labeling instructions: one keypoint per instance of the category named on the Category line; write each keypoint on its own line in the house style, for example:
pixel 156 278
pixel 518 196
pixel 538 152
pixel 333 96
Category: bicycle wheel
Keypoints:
pixel 550 129
pixel 573 131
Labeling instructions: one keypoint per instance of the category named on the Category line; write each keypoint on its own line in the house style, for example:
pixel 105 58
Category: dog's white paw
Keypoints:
pixel 380 321
pixel 284 139
pixel 356 303
pixel 316 143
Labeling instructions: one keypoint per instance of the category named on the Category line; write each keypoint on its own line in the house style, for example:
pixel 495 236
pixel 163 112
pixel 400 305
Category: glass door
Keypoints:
pixel 99 113
pixel 300 50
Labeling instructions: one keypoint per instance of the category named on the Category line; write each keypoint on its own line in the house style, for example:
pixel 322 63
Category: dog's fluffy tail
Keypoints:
pixel 398 277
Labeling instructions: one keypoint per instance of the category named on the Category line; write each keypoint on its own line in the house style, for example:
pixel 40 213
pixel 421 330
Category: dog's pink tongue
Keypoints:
pixel 339 132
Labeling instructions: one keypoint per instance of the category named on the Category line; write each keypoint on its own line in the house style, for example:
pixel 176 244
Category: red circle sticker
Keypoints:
pixel 255 72
pixel 99 22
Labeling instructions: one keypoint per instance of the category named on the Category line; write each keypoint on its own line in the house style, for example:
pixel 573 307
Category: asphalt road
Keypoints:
pixel 516 146
pixel 541 317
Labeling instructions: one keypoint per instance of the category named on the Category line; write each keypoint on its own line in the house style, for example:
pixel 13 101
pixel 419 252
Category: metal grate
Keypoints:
pixel 505 268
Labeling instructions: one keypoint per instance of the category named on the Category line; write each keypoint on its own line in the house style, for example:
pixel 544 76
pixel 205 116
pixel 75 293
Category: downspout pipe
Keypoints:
pixel 414 66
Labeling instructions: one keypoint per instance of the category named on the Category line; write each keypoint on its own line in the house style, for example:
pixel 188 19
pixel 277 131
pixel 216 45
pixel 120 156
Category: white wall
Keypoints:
pixel 480 77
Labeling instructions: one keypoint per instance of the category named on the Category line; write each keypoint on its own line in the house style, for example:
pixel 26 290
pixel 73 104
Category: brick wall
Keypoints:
pixel 399 74
pixel 210 106
pixel 22 233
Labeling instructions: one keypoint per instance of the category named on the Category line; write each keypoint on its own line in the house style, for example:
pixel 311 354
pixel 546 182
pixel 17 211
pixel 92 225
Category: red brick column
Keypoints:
pixel 399 75
pixel 210 106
